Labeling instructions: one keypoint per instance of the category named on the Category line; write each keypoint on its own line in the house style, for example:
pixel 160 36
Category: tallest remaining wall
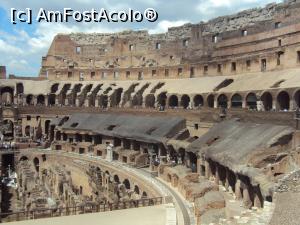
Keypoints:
pixel 250 41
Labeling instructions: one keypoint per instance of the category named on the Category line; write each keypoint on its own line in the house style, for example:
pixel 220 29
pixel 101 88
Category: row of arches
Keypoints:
pixel 279 101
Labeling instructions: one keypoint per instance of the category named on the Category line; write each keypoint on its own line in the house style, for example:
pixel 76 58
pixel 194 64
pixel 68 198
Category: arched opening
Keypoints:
pixel 58 135
pixel 7 94
pixel 185 101
pixel 51 99
pixel 162 99
pixel 47 126
pixel 251 101
pixel 198 101
pixel 116 179
pixel 29 99
pixel 116 97
pixel 193 161
pixel 103 101
pixel 222 101
pixel 136 189
pixel 64 137
pixel 126 184
pixel 27 131
pixel 54 88
pixel 40 100
pixel 267 100
pixel 297 98
pixel 236 101
pixel 20 88
pixel 144 195
pixel 181 153
pixel 283 100
pixel 173 101
pixel 210 101
pixel 150 101
pixel 78 137
pixel 23 158
pixel 8 129
pixel 36 163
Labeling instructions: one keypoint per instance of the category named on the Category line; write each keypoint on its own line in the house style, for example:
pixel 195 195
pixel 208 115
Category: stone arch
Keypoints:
pixel 150 101
pixel 162 99
pixel 8 131
pixel 185 101
pixel 144 195
pixel 58 135
pixel 23 158
pixel 29 99
pixel 126 184
pixel 54 88
pixel 193 161
pixel 236 101
pixel 47 127
pixel 116 97
pixel 173 101
pixel 283 100
pixel 210 101
pixel 297 98
pixel 103 101
pixel 27 131
pixel 251 101
pixel 223 101
pixel 36 163
pixel 198 101
pixel 40 100
pixel 267 100
pixel 51 99
pixel 116 179
pixel 181 153
pixel 20 88
pixel 64 137
pixel 136 189
pixel 7 95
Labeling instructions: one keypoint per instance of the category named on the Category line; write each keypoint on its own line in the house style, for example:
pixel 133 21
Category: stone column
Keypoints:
pixel 96 102
pixel 77 102
pixel 207 170
pixel 237 188
pixel 257 202
pixel 292 104
pixel 244 104
pixel 57 101
pixel 217 177
pixel 246 198
pixel 109 153
pixel 34 100
pixel 274 104
pixel 227 180
pixel 86 102
pixel 46 100
pixel 215 103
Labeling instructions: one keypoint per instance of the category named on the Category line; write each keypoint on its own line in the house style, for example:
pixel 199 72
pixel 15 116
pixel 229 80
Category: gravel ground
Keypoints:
pixel 287 209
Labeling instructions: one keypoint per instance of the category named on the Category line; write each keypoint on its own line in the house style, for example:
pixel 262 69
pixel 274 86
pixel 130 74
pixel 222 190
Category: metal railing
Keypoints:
pixel 77 210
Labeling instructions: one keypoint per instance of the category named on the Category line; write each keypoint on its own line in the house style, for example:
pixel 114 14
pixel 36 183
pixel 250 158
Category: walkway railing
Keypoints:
pixel 77 210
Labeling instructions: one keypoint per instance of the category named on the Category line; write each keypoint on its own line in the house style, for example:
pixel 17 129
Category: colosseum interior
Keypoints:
pixel 199 125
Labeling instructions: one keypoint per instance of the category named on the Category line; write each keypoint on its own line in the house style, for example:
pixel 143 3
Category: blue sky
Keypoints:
pixel 22 46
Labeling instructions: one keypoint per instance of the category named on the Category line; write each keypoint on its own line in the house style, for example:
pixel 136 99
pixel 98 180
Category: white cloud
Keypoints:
pixel 23 49
pixel 6 48
pixel 209 8
pixel 163 26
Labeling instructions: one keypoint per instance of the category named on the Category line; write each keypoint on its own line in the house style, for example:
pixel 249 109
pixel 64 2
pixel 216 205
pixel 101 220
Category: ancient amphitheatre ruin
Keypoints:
pixel 199 125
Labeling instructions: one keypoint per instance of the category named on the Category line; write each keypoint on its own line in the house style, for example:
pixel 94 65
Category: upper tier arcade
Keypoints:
pixel 255 40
